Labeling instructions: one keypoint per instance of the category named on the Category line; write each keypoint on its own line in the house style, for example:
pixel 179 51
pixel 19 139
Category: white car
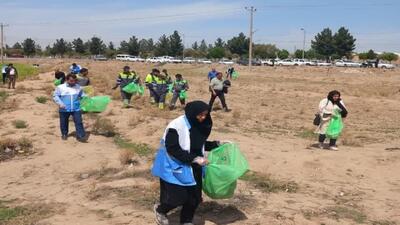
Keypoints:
pixel 285 62
pixel 189 60
pixel 226 62
pixel 122 57
pixel 153 60
pixel 347 63
pixel 175 60
pixel 269 62
pixel 386 65
pixel 322 63
pixel 132 58
pixel 165 59
pixel 204 61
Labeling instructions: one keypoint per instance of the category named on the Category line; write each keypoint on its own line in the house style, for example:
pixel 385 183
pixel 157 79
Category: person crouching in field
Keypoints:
pixel 68 96
pixel 329 108
pixel 124 78
pixel 182 147
pixel 179 85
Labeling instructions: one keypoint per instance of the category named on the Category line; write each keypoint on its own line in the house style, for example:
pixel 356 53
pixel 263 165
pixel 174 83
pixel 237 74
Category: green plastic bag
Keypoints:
pixel 226 165
pixel 170 87
pixel 95 104
pixel 235 75
pixel 57 82
pixel 335 126
pixel 140 90
pixel 183 95
pixel 131 88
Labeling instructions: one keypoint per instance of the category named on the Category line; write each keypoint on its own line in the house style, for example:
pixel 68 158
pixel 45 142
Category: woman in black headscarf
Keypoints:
pixel 198 116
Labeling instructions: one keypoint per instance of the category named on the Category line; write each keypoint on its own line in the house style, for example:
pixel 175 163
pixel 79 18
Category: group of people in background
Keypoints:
pixel 10 75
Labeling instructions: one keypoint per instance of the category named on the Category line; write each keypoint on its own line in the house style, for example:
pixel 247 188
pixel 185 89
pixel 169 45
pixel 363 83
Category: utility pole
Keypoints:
pixel 304 40
pixel 183 43
pixel 251 9
pixel 2 39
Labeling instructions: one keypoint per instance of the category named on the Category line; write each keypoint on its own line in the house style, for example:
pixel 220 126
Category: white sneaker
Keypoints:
pixel 333 148
pixel 321 145
pixel 161 219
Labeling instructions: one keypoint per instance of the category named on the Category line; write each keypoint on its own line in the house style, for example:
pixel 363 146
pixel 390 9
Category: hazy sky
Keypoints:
pixel 375 23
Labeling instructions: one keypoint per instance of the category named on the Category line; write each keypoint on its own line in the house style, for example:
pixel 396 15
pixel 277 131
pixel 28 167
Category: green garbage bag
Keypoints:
pixel 335 126
pixel 57 82
pixel 140 90
pixel 235 75
pixel 170 87
pixel 131 88
pixel 226 165
pixel 95 104
pixel 183 95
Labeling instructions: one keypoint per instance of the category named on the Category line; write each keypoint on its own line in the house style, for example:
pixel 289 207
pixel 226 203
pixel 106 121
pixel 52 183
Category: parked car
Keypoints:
pixel 245 62
pixel 285 62
pixel 132 58
pixel 269 62
pixel 122 57
pixel 386 66
pixel 99 58
pixel 226 62
pixel 153 60
pixel 175 60
pixel 189 60
pixel 204 61
pixel 347 63
pixel 323 63
pixel 165 59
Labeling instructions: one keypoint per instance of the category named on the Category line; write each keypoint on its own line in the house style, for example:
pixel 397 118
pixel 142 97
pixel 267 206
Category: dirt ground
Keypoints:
pixel 272 111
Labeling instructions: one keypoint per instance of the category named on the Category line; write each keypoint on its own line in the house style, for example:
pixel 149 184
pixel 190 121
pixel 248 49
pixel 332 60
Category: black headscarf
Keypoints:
pixel 333 93
pixel 192 110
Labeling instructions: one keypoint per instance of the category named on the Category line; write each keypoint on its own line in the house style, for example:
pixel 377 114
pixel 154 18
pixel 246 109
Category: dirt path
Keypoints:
pixel 89 185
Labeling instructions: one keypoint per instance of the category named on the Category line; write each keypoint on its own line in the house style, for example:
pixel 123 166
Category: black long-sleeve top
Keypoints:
pixel 175 150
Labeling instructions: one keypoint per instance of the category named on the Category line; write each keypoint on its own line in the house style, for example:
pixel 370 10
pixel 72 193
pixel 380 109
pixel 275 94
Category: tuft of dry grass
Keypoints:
pixel 20 124
pixel 267 184
pixel 41 99
pixel 135 120
pixel 126 157
pixel 140 149
pixel 104 127
pixel 10 148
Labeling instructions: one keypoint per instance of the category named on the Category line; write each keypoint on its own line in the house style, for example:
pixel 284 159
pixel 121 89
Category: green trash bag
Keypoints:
pixel 226 165
pixel 131 88
pixel 183 95
pixel 235 75
pixel 95 104
pixel 57 82
pixel 335 126
pixel 140 90
pixel 170 87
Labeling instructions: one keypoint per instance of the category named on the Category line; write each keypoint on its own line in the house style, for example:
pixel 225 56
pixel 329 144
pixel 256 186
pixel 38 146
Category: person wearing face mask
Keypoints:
pixel 67 96
pixel 179 162
pixel 329 107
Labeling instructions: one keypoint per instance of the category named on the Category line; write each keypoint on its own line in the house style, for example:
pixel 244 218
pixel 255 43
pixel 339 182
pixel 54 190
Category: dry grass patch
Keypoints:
pixel 140 149
pixel 20 124
pixel 135 120
pixel 266 183
pixel 41 99
pixel 104 127
pixel 9 148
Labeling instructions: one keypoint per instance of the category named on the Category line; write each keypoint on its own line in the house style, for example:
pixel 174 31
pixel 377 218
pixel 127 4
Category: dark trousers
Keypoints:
pixel 221 96
pixel 64 123
pixel 126 96
pixel 11 81
pixel 4 78
pixel 175 97
pixel 322 137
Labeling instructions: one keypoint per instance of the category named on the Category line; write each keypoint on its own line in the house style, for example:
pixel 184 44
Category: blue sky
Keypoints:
pixel 375 23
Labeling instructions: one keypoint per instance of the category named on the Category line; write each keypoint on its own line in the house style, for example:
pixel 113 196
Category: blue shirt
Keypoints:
pixel 212 74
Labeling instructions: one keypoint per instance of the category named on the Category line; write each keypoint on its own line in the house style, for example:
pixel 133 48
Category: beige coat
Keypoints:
pixel 325 109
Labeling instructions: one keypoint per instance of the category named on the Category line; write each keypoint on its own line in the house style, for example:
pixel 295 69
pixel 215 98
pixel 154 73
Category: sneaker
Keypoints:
pixel 227 110
pixel 321 145
pixel 333 148
pixel 82 139
pixel 187 223
pixel 64 137
pixel 161 219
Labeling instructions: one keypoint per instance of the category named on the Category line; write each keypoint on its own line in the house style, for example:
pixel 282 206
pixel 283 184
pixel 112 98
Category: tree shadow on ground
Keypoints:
pixel 214 212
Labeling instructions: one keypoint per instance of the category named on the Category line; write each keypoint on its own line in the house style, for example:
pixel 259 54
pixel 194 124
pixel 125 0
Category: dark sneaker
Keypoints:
pixel 161 219
pixel 227 110
pixel 82 139
pixel 64 137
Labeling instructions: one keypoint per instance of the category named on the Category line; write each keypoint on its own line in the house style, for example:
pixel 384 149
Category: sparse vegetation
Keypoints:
pixel 105 127
pixel 9 148
pixel 41 99
pixel 341 212
pixel 140 149
pixel 267 184
pixel 20 124
pixel 3 96
pixel 26 214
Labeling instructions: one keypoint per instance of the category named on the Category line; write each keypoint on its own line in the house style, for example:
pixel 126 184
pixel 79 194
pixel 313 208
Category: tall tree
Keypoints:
pixel 203 46
pixel 344 43
pixel 216 53
pixel 389 56
pixel 133 46
pixel 176 46
pixel 239 45
pixel 219 43
pixel 195 46
pixel 323 43
pixel 96 46
pixel 29 47
pixel 283 54
pixel 111 46
pixel 146 47
pixel 60 47
pixel 79 46
pixel 163 46
pixel 265 51
pixel 124 47
pixel 17 45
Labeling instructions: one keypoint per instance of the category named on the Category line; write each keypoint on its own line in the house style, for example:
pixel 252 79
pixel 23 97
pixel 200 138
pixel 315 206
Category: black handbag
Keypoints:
pixel 317 119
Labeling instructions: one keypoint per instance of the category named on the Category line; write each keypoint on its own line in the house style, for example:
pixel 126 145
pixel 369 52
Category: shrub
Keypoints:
pixel 20 124
pixel 41 99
